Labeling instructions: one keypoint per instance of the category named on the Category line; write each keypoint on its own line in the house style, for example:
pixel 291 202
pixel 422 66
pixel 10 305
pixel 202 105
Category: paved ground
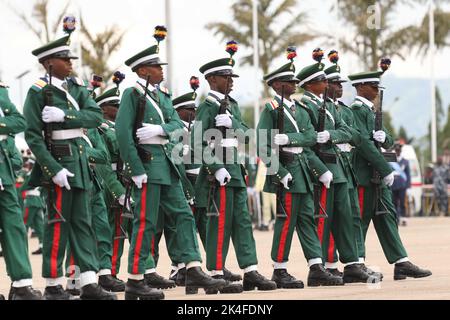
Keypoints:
pixel 426 239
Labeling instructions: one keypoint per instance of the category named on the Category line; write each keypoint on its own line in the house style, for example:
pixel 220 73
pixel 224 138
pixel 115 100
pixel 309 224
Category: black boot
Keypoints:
pixel 355 273
pixel 154 280
pixel 181 277
pixel 254 279
pixel 111 283
pixel 318 276
pixel 173 274
pixel 284 280
pixel 57 293
pixel 196 278
pixel 407 269
pixel 372 273
pixel 138 290
pixel 230 276
pixel 93 291
pixel 2 297
pixel 335 272
pixel 26 293
pixel 230 287
pixel 38 251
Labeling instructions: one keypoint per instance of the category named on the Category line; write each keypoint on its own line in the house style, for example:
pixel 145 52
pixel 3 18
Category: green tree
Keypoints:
pixel 278 26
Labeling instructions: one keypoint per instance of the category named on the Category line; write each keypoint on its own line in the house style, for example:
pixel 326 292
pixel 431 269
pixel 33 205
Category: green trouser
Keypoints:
pixel 13 236
pixel 77 231
pixel 385 225
pixel 121 229
pixel 34 218
pixel 171 199
pixel 201 221
pixel 299 208
pixel 233 221
pixel 337 231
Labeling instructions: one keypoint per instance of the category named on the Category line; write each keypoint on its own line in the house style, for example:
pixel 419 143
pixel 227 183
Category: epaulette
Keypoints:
pixel 165 91
pixel 273 105
pixel 306 98
pixel 357 104
pixel 300 103
pixel 38 85
pixel 78 81
pixel 3 85
pixel 211 100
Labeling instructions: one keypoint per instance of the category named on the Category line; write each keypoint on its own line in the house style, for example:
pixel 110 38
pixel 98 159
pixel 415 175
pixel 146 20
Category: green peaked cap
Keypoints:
pixel 366 77
pixel 109 97
pixel 285 73
pixel 219 67
pixel 334 73
pixel 55 49
pixel 149 56
pixel 185 101
pixel 312 72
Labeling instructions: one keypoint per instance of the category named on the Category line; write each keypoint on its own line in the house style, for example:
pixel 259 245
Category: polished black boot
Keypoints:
pixel 355 273
pixel 407 269
pixel 93 291
pixel 196 278
pixel 318 276
pixel 230 276
pixel 181 277
pixel 335 272
pixel 26 293
pixel 138 290
pixel 230 287
pixel 111 283
pixel 284 280
pixel 372 273
pixel 254 280
pixel 154 280
pixel 57 293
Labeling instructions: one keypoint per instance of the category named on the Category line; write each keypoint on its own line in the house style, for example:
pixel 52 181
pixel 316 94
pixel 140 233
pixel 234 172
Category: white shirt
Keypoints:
pixel 143 82
pixel 219 95
pixel 288 103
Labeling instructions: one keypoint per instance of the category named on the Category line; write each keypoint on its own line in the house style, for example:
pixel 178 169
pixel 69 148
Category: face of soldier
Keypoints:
pixel 110 112
pixel 186 114
pixel 288 88
pixel 219 84
pixel 317 87
pixel 61 68
pixel 368 91
pixel 155 72
pixel 335 90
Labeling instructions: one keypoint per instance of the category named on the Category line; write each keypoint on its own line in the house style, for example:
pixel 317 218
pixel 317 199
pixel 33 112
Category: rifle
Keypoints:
pixel 388 156
pixel 48 129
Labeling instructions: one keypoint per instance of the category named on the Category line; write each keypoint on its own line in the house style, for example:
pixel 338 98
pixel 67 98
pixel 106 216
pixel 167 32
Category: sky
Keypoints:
pixel 193 44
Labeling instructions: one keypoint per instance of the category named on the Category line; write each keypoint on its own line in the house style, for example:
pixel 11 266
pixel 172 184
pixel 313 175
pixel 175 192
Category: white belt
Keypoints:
pixel 193 171
pixel 67 134
pixel 33 192
pixel 345 147
pixel 154 140
pixel 295 150
pixel 3 137
pixel 114 166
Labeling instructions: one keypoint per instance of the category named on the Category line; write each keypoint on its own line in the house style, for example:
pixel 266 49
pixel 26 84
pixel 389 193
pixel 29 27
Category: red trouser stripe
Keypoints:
pixel 25 217
pixel 285 229
pixel 115 254
pixel 331 249
pixel 321 222
pixel 140 234
pixel 56 236
pixel 221 228
pixel 361 200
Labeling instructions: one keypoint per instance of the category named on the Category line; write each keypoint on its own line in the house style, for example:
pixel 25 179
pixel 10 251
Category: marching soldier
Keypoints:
pixel 367 85
pixel 61 106
pixel 146 116
pixel 13 236
pixel 223 179
pixel 337 228
pixel 290 172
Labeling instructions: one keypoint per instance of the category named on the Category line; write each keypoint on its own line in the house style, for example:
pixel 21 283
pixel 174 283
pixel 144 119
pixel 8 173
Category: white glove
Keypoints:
pixel 379 136
pixel 285 181
pixel 61 180
pixel 281 139
pixel 389 179
pixel 191 202
pixel 122 201
pixel 223 120
pixel 323 137
pixel 52 114
pixel 326 179
pixel 222 176
pixel 139 180
pixel 149 131
pixel 186 149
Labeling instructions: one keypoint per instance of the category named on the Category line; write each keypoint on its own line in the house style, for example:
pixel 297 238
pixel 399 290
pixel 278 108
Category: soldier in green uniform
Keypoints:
pixel 338 226
pixel 63 166
pixel 153 172
pixel 367 87
pixel 13 236
pixel 291 172
pixel 222 176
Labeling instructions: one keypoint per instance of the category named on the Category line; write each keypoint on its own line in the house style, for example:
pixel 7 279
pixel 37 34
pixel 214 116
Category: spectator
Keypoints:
pixel 402 183
pixel 440 178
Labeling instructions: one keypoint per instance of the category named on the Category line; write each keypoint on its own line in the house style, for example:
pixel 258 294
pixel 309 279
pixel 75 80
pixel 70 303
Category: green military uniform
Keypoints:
pixel 13 237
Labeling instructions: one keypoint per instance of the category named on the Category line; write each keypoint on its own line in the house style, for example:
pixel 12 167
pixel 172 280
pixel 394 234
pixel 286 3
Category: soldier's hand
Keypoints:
pixel 389 179
pixel 323 137
pixel 149 131
pixel 222 176
pixel 61 180
pixel 379 136
pixel 326 179
pixel 223 120
pixel 139 180
pixel 281 139
pixel 52 114
pixel 285 181
pixel 186 149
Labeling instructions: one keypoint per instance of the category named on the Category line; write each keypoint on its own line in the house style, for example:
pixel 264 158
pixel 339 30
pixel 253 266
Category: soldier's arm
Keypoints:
pixel 98 154
pixel 13 122
pixel 109 177
pixel 174 123
pixel 124 132
pixel 89 115
pixel 16 157
pixel 236 119
pixel 307 137
pixel 316 165
pixel 389 140
pixel 342 133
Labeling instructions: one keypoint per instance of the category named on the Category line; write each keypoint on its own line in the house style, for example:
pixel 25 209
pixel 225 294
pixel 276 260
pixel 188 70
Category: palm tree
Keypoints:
pixel 274 37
